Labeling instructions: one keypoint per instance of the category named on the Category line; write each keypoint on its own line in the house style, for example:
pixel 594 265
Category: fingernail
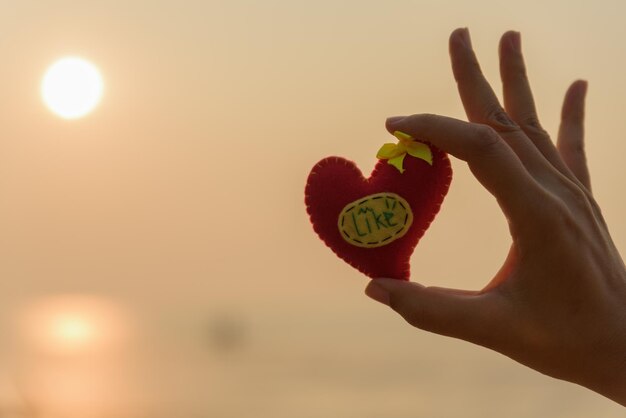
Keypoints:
pixel 393 120
pixel 515 40
pixel 465 38
pixel 377 293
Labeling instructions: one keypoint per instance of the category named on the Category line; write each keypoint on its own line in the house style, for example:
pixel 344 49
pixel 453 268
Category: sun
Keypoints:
pixel 72 87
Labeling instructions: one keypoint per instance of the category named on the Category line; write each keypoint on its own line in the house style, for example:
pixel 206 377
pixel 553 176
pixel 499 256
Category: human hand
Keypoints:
pixel 558 303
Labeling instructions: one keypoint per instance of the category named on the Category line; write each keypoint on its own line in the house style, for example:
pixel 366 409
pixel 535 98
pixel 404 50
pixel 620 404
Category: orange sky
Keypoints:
pixel 181 197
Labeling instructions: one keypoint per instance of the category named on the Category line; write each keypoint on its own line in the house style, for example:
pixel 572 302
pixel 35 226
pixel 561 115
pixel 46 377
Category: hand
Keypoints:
pixel 558 303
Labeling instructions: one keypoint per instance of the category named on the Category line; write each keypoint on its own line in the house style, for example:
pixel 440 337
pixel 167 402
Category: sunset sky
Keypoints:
pixel 171 219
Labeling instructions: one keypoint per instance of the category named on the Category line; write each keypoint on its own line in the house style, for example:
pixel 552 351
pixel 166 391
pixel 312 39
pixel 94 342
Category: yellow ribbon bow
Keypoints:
pixel 395 153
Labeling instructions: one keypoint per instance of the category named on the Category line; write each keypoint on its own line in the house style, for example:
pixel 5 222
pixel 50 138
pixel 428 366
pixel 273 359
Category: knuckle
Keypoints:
pixel 532 124
pixel 499 119
pixel 597 211
pixel 416 319
pixel 516 71
pixel 575 196
pixel 570 227
pixel 566 214
pixel 427 321
pixel 558 216
pixel 418 315
pixel 578 149
pixel 411 313
pixel 531 121
pixel 545 207
pixel 519 71
pixel 573 152
pixel 533 129
pixel 487 139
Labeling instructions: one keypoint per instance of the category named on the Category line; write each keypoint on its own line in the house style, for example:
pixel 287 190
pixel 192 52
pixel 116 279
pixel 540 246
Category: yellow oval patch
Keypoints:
pixel 375 220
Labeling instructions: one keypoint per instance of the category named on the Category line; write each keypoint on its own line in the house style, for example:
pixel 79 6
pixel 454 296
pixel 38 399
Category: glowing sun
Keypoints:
pixel 72 87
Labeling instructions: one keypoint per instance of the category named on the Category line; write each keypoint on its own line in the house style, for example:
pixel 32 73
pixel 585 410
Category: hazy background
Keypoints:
pixel 172 217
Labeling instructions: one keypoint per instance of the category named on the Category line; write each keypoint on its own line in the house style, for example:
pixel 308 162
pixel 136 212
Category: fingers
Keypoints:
pixel 471 317
pixel 482 105
pixel 480 102
pixel 570 143
pixel 519 102
pixel 491 160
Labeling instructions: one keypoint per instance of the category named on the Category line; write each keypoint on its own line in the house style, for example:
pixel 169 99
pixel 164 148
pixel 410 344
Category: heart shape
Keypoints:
pixel 348 210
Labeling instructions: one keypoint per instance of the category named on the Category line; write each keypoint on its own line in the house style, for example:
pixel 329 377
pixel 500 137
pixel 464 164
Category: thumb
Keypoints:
pixel 471 316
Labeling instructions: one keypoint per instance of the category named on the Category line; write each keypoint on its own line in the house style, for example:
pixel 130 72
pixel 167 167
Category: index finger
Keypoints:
pixel 491 160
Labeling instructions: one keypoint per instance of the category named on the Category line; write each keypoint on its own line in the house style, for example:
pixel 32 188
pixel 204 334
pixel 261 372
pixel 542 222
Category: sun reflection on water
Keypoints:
pixel 71 324
pixel 72 358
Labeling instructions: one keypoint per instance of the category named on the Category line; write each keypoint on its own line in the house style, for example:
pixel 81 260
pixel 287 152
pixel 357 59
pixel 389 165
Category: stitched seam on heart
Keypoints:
pixel 399 233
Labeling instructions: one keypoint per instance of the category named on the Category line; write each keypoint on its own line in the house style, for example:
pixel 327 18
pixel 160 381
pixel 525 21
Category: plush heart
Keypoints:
pixel 365 221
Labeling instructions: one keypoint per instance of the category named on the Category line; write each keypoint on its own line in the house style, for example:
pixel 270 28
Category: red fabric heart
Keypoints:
pixel 336 182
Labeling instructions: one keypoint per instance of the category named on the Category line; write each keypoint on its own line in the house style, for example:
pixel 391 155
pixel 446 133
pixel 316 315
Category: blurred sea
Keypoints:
pixel 368 364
